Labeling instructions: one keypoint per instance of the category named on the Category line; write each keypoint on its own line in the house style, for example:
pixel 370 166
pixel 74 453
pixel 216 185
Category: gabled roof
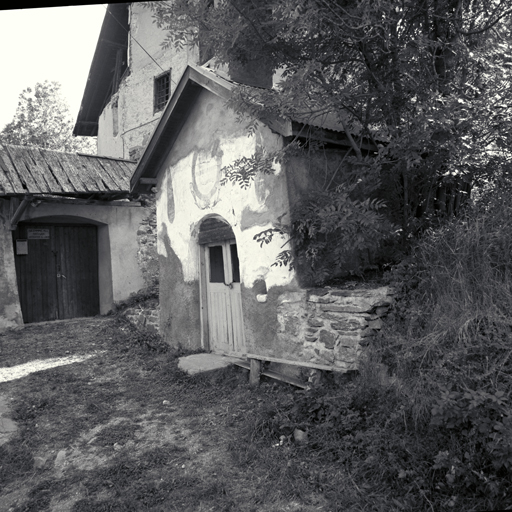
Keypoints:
pixel 98 89
pixel 193 81
pixel 32 170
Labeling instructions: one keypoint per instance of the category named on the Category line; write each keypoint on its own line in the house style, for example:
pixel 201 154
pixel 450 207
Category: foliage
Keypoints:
pixel 42 119
pixel 426 84
pixel 449 348
pixel 434 431
pixel 243 170
pixel 147 296
pixel 328 229
pixel 364 451
pixel 480 417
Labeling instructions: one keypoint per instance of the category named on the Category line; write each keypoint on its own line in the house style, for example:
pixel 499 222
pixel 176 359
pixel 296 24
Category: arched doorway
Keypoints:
pixel 57 269
pixel 221 289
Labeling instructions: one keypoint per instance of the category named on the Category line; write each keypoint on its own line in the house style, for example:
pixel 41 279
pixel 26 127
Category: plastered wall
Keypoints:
pixel 282 320
pixel 189 190
pixel 129 119
pixel 117 244
pixel 119 271
pixel 10 310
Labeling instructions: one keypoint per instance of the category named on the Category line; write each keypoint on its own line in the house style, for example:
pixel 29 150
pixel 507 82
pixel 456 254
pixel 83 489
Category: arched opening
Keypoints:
pixel 221 301
pixel 215 229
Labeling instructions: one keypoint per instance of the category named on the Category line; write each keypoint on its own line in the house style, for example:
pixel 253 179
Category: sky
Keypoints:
pixel 49 43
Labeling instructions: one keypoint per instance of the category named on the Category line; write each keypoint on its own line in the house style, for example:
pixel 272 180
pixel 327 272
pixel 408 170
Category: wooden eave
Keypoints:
pixel 331 137
pixel 170 124
pixel 113 36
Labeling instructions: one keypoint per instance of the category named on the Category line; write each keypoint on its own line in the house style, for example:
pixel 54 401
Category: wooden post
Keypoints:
pixel 254 376
pixel 19 211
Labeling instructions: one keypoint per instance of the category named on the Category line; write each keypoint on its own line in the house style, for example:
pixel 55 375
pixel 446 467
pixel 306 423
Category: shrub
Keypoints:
pixel 450 347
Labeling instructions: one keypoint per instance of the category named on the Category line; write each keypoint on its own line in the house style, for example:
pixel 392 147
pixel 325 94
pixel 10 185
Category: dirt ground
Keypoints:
pixel 127 430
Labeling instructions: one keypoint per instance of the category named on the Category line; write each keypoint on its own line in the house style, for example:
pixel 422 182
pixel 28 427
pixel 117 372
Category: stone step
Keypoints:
pixel 200 363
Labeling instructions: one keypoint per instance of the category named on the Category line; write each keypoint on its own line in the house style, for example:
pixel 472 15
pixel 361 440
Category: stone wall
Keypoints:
pixel 147 240
pixel 144 317
pixel 331 326
pixel 323 327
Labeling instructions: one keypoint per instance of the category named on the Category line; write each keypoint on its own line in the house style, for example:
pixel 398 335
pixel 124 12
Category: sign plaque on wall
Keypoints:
pixel 38 234
pixel 21 247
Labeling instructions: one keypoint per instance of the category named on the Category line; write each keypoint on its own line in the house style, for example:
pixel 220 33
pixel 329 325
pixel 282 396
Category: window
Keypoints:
pixel 216 265
pixel 162 90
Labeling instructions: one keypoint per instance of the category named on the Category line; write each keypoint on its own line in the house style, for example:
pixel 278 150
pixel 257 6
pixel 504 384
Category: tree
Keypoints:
pixel 42 119
pixel 427 82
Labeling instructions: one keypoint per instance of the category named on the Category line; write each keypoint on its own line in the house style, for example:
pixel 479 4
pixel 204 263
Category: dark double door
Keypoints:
pixel 57 271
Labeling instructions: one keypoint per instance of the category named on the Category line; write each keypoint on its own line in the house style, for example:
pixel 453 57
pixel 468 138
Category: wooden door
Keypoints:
pixel 57 271
pixel 225 321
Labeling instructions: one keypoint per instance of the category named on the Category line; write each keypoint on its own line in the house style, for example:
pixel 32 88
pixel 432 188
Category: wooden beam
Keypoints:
pixel 113 43
pixel 117 69
pixel 254 376
pixel 203 294
pixel 19 212
pixel 330 136
pixel 68 200
pixel 216 235
pixel 305 364
pixel 284 378
pixel 148 181
pixel 275 375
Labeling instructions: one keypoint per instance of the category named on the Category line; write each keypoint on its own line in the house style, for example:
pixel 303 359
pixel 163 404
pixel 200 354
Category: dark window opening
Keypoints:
pixel 235 265
pixel 216 264
pixel 162 90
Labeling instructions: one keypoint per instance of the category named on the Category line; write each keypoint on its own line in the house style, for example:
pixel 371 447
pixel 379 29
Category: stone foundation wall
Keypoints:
pixel 144 317
pixel 331 326
pixel 147 240
pixel 328 326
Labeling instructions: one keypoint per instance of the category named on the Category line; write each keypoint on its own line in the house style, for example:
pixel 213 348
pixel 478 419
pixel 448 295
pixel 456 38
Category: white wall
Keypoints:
pixel 190 189
pixel 135 119
pixel 10 310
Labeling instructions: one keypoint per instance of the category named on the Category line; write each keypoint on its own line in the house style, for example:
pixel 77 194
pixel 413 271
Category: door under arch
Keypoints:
pixel 57 270
pixel 222 296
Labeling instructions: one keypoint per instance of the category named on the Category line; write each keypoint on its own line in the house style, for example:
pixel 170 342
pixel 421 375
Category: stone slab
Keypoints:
pixel 200 363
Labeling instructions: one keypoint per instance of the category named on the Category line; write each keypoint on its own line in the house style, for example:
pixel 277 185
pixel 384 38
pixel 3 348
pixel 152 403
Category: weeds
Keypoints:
pixel 449 347
pixel 425 425
pixel 135 433
pixel 16 460
pixel 146 296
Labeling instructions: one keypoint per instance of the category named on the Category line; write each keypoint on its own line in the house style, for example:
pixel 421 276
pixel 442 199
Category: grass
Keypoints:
pixel 135 433
pixel 128 430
